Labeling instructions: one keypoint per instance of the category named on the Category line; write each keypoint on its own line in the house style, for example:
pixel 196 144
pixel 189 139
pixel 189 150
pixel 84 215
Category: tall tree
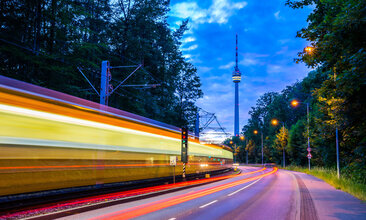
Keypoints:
pixel 336 30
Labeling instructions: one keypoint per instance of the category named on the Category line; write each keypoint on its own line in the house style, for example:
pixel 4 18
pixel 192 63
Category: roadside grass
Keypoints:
pixel 330 176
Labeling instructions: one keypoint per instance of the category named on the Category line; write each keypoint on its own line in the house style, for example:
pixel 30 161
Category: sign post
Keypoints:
pixel 309 156
pixel 173 162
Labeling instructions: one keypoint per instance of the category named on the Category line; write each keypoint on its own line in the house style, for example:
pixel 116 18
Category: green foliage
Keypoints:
pixel 297 144
pixel 45 42
pixel 335 92
pixel 350 185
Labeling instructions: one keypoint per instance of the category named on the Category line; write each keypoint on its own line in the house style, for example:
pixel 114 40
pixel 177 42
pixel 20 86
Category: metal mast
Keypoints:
pixel 236 80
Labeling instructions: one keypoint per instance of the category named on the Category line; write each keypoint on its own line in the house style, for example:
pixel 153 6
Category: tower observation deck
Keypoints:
pixel 236 80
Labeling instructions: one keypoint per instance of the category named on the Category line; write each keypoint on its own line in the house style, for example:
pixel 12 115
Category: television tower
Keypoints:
pixel 236 80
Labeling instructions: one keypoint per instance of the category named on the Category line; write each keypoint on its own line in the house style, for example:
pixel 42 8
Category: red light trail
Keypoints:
pixel 154 206
pixel 125 194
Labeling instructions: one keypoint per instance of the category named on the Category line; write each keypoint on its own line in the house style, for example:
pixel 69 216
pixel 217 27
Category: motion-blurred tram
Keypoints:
pixel 50 140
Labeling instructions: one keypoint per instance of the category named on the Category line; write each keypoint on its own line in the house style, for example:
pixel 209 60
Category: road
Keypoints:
pixel 266 194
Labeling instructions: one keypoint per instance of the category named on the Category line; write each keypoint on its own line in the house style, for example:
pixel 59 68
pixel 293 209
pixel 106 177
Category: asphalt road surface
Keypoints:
pixel 265 194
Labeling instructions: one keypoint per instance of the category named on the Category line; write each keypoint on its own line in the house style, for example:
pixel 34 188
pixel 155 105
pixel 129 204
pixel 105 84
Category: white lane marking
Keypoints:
pixel 172 219
pixel 208 204
pixel 243 187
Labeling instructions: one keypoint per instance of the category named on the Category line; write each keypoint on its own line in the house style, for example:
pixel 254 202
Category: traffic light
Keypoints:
pixel 184 154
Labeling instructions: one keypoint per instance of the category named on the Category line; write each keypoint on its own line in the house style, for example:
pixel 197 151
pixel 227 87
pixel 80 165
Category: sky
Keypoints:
pixel 266 49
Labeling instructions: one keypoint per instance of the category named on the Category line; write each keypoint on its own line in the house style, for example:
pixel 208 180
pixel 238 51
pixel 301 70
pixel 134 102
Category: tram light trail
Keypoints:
pixel 124 194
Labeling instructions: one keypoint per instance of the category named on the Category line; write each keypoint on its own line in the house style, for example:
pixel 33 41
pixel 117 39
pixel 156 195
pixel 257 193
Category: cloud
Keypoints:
pixel 204 69
pixel 190 48
pixel 252 59
pixel 187 56
pixel 219 11
pixel 277 15
pixel 227 66
pixel 188 10
pixel 248 62
pixel 274 69
pixel 193 58
pixel 284 41
pixel 188 39
pixel 283 50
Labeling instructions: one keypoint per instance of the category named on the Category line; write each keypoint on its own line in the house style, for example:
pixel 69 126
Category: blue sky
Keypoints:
pixel 267 46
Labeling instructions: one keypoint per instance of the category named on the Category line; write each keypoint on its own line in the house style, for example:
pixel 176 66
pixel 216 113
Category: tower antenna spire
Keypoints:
pixel 236 80
pixel 236 53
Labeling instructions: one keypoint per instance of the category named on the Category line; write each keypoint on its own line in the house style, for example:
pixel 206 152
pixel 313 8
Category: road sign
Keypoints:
pixel 309 156
pixel 309 149
pixel 173 160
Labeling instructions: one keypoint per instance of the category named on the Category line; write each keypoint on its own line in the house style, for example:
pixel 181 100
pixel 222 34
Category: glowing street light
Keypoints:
pixel 242 138
pixel 256 132
pixel 275 122
pixel 309 49
pixel 295 103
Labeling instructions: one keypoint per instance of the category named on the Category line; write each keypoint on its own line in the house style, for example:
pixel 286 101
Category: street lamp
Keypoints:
pixel 295 103
pixel 275 122
pixel 309 49
pixel 242 138
pixel 235 149
pixel 256 132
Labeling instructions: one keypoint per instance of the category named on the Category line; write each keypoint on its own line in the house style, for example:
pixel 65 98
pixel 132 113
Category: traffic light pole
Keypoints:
pixel 184 151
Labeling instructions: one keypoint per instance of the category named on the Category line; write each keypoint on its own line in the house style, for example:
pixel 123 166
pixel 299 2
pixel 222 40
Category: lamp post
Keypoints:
pixel 256 132
pixel 295 103
pixel 231 143
pixel 275 122
pixel 336 124
pixel 242 138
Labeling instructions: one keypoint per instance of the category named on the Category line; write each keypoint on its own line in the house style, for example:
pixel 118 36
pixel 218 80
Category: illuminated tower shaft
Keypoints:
pixel 236 80
pixel 236 123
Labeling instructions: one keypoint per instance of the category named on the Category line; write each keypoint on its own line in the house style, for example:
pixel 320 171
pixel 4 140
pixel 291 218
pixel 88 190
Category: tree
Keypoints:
pixel 280 142
pixel 336 30
pixel 58 37
pixel 251 148
pixel 297 143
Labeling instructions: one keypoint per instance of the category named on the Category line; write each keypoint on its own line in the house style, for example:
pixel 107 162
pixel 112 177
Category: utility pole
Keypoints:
pixel 336 124
pixel 104 82
pixel 106 89
pixel 246 145
pixel 309 149
pixel 262 146
pixel 283 130
pixel 197 127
